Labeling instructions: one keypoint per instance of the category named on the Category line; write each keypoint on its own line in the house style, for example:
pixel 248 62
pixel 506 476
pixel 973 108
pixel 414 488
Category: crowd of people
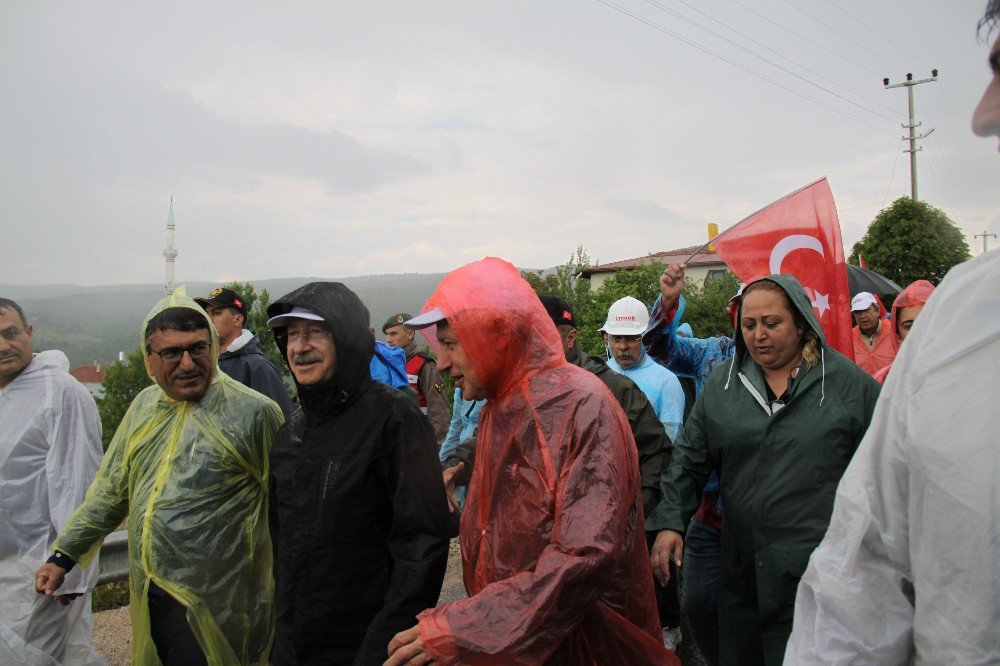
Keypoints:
pixel 791 504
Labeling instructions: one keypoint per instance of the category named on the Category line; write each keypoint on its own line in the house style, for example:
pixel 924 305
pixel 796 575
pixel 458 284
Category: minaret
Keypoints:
pixel 170 253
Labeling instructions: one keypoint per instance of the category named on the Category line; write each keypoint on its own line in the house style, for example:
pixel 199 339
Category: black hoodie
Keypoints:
pixel 358 513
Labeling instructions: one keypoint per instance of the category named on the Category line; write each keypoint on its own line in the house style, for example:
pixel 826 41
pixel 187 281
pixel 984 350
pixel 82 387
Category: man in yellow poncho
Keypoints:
pixel 188 466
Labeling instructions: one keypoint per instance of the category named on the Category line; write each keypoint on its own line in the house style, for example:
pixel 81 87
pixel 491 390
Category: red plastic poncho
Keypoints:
pixel 554 556
pixel 916 294
pixel 886 344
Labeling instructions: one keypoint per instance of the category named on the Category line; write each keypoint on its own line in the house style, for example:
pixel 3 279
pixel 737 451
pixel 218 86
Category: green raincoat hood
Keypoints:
pixel 800 301
pixel 744 364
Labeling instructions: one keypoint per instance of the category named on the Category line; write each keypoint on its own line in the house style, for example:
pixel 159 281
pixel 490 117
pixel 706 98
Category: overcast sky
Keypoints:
pixel 337 139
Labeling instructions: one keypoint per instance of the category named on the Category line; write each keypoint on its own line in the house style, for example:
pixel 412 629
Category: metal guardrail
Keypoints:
pixel 114 558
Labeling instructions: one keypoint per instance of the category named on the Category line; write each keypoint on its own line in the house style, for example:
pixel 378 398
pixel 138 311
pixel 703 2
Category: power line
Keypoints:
pixel 946 189
pixel 878 34
pixel 892 174
pixel 834 30
pixel 951 123
pixel 800 37
pixel 752 72
pixel 783 57
pixel 766 60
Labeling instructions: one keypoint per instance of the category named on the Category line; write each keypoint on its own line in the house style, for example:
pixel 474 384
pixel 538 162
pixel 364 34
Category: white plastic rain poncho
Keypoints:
pixel 192 479
pixel 909 570
pixel 50 449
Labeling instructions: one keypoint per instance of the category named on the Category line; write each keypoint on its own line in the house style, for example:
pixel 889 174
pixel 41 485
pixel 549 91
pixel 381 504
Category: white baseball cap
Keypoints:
pixel 626 316
pixel 297 312
pixel 862 301
pixel 429 318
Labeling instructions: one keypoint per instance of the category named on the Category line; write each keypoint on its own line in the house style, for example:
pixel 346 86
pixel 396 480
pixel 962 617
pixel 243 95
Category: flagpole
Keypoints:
pixel 761 210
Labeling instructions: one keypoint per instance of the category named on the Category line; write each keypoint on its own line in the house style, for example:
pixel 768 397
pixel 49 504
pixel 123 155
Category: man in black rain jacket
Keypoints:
pixel 358 513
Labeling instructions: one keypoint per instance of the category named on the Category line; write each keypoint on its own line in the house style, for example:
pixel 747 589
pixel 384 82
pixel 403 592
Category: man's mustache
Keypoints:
pixel 307 358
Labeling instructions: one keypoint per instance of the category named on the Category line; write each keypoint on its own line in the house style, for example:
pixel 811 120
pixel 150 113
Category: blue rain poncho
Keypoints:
pixel 192 480
pixel 661 387
pixel 464 421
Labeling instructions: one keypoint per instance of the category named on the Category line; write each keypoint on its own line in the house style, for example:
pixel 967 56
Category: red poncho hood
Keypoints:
pixel 916 294
pixel 500 322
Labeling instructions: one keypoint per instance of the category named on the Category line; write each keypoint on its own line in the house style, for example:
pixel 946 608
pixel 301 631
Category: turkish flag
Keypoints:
pixel 800 235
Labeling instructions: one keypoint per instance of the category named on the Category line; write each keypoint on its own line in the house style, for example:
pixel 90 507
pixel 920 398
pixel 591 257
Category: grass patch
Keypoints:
pixel 110 596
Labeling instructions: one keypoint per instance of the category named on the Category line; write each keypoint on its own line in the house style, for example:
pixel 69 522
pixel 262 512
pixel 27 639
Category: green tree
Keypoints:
pixel 256 321
pixel 708 306
pixel 565 280
pixel 911 240
pixel 641 282
pixel 122 383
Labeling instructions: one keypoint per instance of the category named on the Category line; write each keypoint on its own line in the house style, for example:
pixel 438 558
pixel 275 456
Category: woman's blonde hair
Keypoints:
pixel 810 341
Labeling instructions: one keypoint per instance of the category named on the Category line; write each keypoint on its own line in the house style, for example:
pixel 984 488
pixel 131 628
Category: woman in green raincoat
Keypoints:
pixel 781 421
pixel 190 473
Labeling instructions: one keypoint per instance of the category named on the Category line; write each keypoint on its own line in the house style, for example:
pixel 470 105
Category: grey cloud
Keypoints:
pixel 647 211
pixel 64 115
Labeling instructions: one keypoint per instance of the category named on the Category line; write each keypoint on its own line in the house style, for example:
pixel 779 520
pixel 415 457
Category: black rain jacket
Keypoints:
pixel 358 513
pixel 250 367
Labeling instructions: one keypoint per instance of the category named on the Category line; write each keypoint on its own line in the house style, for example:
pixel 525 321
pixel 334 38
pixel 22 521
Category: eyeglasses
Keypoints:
pixel 312 334
pixel 12 333
pixel 172 355
pixel 625 338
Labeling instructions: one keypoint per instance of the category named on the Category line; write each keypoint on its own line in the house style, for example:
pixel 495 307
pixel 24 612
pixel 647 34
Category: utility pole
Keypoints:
pixel 985 236
pixel 909 83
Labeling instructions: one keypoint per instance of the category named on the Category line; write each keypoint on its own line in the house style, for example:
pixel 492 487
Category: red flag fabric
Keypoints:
pixel 862 262
pixel 800 235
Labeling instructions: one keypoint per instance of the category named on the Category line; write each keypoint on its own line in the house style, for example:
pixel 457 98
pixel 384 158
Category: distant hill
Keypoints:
pixel 95 323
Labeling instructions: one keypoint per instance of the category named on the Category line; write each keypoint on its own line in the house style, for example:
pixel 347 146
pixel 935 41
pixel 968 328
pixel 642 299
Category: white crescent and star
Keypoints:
pixel 799 242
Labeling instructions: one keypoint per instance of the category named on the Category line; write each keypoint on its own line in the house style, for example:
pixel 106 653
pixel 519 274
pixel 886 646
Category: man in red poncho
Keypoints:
pixel 553 550
pixel 874 342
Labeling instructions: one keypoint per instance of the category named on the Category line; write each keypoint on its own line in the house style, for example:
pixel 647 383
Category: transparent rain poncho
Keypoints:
pixel 909 569
pixel 553 552
pixel 50 450
pixel 192 479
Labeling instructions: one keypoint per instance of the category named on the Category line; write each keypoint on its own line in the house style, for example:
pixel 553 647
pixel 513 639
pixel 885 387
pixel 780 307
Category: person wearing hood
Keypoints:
pixel 188 469
pixel 50 449
pixel 358 513
pixel 241 357
pixel 553 552
pixel 780 420
pixel 875 343
pixel 627 321
pixel 905 309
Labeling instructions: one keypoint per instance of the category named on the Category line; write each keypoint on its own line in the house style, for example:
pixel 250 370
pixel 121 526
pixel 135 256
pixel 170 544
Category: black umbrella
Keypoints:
pixel 862 279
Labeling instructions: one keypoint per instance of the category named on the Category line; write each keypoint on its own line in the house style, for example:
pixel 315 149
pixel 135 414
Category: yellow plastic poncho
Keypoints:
pixel 192 477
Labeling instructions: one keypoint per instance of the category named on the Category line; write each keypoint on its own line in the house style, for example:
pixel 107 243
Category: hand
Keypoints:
pixel 668 542
pixel 671 286
pixel 449 485
pixel 48 579
pixel 407 647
